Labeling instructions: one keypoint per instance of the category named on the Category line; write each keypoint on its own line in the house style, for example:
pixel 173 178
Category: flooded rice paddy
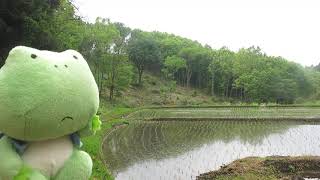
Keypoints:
pixel 154 150
pixel 229 113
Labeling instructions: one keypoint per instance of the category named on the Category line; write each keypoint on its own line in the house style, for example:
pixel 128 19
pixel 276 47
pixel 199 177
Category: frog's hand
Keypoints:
pixel 27 173
pixel 93 126
pixel 10 161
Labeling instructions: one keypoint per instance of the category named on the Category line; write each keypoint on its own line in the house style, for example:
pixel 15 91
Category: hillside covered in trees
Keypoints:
pixel 120 56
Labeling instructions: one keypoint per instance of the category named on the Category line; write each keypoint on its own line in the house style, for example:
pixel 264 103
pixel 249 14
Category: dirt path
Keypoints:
pixel 275 167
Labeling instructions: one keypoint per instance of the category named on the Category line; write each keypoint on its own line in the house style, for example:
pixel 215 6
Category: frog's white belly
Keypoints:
pixel 48 156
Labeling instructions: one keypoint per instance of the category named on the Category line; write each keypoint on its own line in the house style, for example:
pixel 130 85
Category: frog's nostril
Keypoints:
pixel 66 66
pixel 56 66
pixel 75 57
pixel 33 56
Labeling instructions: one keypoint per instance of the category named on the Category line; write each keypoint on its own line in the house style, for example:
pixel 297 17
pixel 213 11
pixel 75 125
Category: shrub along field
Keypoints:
pixel 120 56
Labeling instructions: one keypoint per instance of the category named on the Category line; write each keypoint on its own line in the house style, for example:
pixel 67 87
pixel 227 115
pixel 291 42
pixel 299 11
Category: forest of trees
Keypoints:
pixel 119 56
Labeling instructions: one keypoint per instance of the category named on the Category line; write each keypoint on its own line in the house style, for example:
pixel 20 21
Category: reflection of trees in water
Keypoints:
pixel 158 140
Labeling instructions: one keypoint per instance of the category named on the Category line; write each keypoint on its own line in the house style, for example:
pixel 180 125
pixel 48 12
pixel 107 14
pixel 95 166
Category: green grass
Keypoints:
pixel 92 145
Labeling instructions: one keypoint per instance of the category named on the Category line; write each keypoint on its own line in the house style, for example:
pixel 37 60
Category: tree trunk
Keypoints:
pixel 230 87
pixel 226 89
pixel 100 83
pixel 113 75
pixel 237 96
pixel 112 86
pixel 212 85
pixel 188 75
pixel 231 91
pixel 242 94
pixel 199 80
pixel 111 93
pixel 140 77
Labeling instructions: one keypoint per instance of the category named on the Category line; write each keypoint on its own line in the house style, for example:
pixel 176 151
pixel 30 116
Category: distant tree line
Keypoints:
pixel 119 56
pixel 317 67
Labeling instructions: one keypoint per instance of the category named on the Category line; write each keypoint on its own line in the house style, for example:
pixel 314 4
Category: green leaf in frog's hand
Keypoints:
pixel 93 125
pixel 96 124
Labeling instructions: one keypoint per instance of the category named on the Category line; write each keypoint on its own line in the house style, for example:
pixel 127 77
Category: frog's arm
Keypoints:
pixel 11 162
pixel 93 126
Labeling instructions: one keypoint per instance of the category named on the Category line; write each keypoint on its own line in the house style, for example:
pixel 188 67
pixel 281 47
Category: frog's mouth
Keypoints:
pixel 66 118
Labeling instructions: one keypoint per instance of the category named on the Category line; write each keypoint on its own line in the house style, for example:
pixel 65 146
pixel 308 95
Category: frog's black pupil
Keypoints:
pixel 75 57
pixel 33 56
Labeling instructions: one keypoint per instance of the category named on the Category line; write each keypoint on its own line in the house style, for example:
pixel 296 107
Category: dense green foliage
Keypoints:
pixel 119 56
pixel 50 24
pixel 317 67
pixel 143 51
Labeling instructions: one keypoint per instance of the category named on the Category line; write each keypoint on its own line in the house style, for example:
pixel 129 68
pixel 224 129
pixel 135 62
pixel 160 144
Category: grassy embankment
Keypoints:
pixel 269 168
pixel 110 117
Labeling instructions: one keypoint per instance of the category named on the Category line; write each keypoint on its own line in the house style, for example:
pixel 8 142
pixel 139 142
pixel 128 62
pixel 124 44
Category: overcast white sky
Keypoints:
pixel 288 28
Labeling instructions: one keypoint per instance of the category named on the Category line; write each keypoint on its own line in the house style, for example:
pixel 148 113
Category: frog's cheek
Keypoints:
pixel 42 132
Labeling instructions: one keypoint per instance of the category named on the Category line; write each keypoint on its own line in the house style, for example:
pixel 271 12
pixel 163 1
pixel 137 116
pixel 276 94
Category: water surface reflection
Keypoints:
pixel 184 149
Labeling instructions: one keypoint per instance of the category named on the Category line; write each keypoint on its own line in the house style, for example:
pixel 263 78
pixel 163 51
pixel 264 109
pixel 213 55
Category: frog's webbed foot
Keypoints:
pixel 78 167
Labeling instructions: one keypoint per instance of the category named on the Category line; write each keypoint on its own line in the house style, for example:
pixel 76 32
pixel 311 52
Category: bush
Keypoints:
pixel 155 91
pixel 184 102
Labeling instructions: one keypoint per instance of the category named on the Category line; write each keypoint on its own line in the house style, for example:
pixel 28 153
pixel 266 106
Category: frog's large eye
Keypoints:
pixel 33 56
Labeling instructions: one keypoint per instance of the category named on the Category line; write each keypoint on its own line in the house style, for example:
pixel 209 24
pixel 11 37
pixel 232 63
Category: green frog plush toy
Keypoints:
pixel 48 101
